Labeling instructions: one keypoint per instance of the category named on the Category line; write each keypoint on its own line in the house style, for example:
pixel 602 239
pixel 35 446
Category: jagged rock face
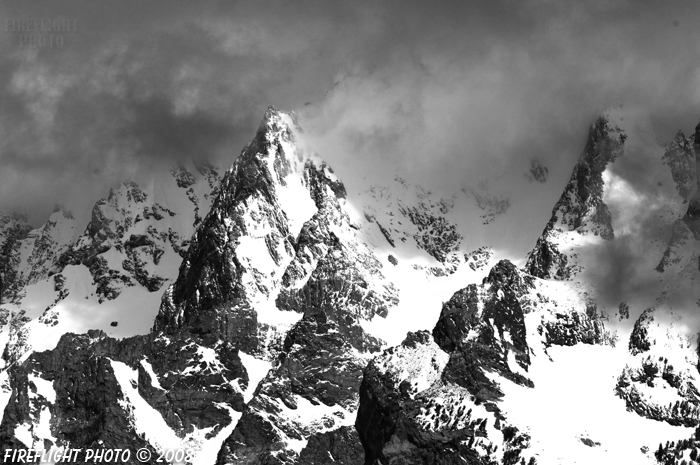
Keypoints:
pixel 341 446
pixel 186 180
pixel 388 390
pixel 480 327
pixel 435 235
pixel 680 235
pixel 680 157
pixel 253 205
pixel 261 351
pixel 417 215
pixel 683 451
pixel 410 216
pixel 312 392
pixel 340 290
pixel 191 381
pixel 434 399
pixel 574 328
pixel 279 235
pixel 13 229
pixel 131 247
pixel 275 218
pixel 102 392
pixel 546 261
pixel 77 391
pixel 133 230
pixel 339 273
pixel 409 413
pixel 135 238
pixel 652 373
pixel 28 256
pixel 639 339
pixel 661 381
pixel 47 244
pixel 581 209
pixel 479 258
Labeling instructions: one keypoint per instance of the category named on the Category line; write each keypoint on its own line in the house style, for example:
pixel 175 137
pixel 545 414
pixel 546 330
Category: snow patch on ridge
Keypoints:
pixel 573 396
pixel 149 369
pixel 145 419
pixel 420 299
pixel 149 422
pixel 257 370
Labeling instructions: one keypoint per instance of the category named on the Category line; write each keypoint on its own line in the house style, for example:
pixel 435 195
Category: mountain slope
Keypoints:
pixel 278 235
pixel 581 214
pixel 268 316
pixel 529 366
pixel 65 281
pixel 440 398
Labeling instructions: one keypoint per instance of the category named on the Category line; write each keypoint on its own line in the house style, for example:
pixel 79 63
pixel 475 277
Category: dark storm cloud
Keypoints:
pixel 112 106
pixel 505 83
pixel 470 97
pixel 450 94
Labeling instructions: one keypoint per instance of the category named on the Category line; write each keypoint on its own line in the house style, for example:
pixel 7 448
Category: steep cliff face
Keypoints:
pixel 262 324
pixel 681 156
pixel 439 399
pixel 245 319
pixel 28 258
pixel 137 235
pixel 580 215
pixel 13 231
pixel 279 247
pixel 162 394
pixel 679 267
pixel 47 406
pixel 279 214
pixel 541 336
pixel 62 279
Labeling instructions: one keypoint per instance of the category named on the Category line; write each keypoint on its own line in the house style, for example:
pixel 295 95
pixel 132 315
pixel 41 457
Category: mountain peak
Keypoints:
pixel 580 208
pixel 251 235
pixel 276 124
pixel 605 143
pixel 271 111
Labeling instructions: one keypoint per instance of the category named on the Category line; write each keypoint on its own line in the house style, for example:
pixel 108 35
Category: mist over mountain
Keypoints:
pixel 359 233
pixel 263 315
pixel 453 95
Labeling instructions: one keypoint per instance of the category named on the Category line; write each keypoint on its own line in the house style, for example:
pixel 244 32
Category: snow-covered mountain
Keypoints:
pixel 60 278
pixel 533 366
pixel 267 316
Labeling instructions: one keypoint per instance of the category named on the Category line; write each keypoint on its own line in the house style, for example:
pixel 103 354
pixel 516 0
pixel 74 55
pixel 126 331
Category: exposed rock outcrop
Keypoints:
pixel 581 209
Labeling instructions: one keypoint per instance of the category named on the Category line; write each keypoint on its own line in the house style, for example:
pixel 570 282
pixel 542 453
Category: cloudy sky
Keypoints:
pixel 448 94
